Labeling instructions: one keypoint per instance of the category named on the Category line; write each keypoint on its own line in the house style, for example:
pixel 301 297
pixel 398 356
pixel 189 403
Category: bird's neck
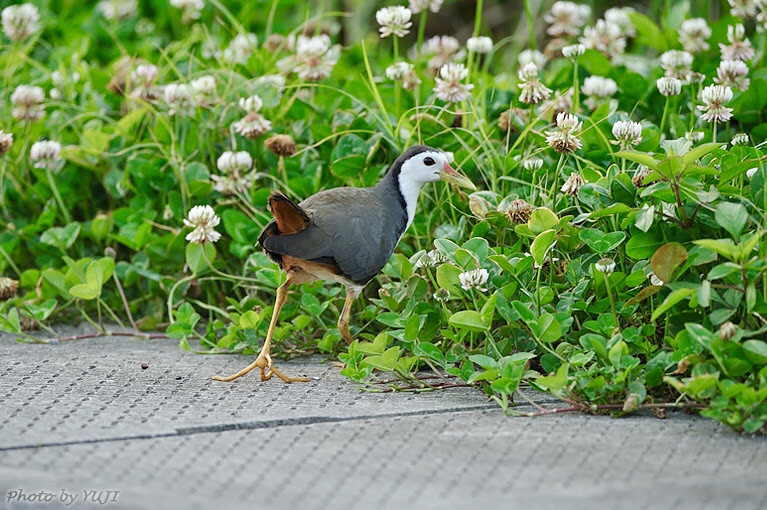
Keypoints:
pixel 406 192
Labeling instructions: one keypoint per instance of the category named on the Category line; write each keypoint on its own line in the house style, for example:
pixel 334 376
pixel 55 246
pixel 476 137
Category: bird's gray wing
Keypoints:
pixel 351 226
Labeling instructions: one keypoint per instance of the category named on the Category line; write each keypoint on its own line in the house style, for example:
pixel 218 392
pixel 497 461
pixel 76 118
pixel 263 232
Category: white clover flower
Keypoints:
pixel 240 48
pixel 233 184
pixel 45 154
pixel 751 172
pixel 251 104
pixel 744 9
pixel 177 96
pixel 445 49
pixel 252 125
pixel 442 295
pixel 677 64
pixel 533 91
pixel 115 10
pixel 230 162
pixel 733 73
pixel 394 20
pixel 276 81
pixel 404 73
pixel 598 90
pixel 480 44
pixel 532 164
pixel 204 85
pixel 20 21
pixel 693 34
pixel 27 103
pixel 204 221
pixel 565 19
pixel 573 50
pixel 314 59
pixel 714 97
pixel 534 56
pixel 430 259
pixel 606 38
pixel 398 70
pixel 621 17
pixel 417 6
pixel 474 279
pixel 694 137
pixel 192 9
pixel 6 142
pixel 669 86
pixel 142 83
pixel 441 44
pixel 144 73
pixel 627 134
pixel 655 281
pixel 449 87
pixel 572 185
pixel 740 47
pixel 605 265
pixel 563 138
pixel 740 139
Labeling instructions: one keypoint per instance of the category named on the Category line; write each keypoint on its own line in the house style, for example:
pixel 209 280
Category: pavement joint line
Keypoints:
pixel 250 425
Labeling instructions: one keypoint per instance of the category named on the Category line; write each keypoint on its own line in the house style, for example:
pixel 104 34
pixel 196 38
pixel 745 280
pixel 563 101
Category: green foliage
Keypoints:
pixel 641 286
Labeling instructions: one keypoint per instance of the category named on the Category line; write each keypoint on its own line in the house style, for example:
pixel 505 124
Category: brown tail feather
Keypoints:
pixel 290 218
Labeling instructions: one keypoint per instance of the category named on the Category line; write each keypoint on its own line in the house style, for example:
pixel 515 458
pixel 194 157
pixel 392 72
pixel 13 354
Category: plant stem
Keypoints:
pixel 665 116
pixel 421 30
pixel 10 261
pixel 530 24
pixel 478 18
pixel 576 87
pixel 612 300
pixel 57 196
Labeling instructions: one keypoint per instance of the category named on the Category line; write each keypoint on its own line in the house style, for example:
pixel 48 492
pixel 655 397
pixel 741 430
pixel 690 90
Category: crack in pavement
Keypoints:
pixel 249 425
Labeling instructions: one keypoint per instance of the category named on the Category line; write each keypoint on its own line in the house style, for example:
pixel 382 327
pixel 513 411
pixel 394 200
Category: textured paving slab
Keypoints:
pixel 97 389
pixel 84 416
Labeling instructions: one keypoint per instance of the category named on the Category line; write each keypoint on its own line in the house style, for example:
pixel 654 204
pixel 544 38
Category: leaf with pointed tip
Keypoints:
pixel 671 300
pixel 638 157
pixel 698 152
pixel 732 217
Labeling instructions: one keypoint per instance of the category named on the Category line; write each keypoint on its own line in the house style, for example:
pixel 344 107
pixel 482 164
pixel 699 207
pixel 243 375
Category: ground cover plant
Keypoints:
pixel 613 256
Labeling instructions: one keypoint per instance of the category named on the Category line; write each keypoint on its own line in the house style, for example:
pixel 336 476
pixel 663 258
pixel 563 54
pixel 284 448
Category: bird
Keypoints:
pixel 344 235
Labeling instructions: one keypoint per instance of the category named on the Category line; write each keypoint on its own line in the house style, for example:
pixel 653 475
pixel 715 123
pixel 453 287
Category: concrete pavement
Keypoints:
pixel 83 425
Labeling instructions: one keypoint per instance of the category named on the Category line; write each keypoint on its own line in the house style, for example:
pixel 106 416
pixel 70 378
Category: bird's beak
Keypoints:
pixel 448 174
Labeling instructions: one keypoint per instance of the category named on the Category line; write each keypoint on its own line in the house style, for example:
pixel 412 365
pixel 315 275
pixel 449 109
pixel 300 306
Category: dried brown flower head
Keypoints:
pixel 281 145
pixel 519 211
pixel 8 288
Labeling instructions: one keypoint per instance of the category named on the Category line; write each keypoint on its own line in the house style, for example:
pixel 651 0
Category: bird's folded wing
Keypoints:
pixel 351 234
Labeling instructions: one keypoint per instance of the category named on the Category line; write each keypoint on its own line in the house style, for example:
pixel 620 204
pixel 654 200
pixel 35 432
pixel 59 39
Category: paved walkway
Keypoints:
pixel 86 420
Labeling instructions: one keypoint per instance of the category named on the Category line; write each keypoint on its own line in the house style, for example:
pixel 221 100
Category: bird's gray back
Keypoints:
pixel 357 227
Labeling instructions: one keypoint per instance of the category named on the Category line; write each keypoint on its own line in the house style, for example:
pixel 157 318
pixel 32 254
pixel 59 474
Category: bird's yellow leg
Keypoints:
pixel 264 360
pixel 343 319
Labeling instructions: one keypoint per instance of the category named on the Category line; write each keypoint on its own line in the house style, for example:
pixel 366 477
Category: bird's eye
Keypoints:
pixel 428 161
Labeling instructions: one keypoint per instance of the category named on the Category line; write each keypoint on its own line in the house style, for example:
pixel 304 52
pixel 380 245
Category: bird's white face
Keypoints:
pixel 423 167
pixel 427 166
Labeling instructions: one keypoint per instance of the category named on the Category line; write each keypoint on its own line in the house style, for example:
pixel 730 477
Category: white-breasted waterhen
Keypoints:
pixel 345 235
